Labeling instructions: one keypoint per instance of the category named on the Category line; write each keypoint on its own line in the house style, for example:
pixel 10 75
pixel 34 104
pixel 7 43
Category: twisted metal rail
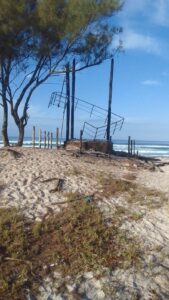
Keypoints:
pixel 93 113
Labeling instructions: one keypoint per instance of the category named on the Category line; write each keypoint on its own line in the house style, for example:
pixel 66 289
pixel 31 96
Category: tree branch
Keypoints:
pixel 22 82
pixel 31 81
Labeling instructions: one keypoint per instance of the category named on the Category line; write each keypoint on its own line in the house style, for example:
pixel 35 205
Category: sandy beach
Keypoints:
pixel 37 181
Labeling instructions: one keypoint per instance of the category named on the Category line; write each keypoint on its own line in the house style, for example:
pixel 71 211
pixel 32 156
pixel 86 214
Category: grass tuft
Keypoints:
pixel 112 186
pixel 76 240
pixel 133 192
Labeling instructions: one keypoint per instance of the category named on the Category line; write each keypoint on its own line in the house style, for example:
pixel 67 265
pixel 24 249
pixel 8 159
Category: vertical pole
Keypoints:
pixel 51 139
pixel 48 139
pixel 96 134
pixel 68 101
pixel 45 139
pixel 134 147
pixel 40 137
pixel 73 99
pixel 131 149
pixel 110 99
pixel 81 140
pixel 57 137
pixel 33 137
pixel 129 144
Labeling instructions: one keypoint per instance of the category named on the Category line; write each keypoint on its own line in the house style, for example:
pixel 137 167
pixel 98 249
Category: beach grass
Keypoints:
pixel 133 192
pixel 76 240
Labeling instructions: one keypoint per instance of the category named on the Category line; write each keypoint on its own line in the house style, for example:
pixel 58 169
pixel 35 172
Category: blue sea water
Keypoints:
pixel 144 148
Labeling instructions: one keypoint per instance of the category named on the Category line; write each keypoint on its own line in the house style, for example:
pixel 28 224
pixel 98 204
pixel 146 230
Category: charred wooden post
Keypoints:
pixel 33 137
pixel 81 140
pixel 134 147
pixel 45 139
pixel 40 138
pixel 96 134
pixel 57 138
pixel 110 99
pixel 129 145
pixel 48 138
pixel 68 101
pixel 73 99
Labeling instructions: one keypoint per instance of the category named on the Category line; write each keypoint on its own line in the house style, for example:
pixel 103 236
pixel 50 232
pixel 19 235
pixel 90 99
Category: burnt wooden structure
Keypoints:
pixel 108 121
pixel 88 145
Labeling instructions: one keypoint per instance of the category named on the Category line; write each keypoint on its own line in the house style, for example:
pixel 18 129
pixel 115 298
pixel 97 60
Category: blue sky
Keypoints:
pixel 141 77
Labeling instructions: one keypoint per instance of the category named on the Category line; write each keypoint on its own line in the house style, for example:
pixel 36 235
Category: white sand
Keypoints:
pixel 25 187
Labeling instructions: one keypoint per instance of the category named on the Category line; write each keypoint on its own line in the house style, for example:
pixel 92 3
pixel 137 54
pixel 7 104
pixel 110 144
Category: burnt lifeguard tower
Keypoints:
pixel 95 136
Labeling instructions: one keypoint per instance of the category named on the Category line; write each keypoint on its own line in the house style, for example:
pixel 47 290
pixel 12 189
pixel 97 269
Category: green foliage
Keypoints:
pixel 40 36
pixel 14 28
pixel 47 27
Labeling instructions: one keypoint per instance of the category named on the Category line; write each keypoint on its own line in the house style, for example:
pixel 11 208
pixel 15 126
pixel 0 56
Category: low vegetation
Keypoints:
pixel 112 186
pixel 132 192
pixel 76 240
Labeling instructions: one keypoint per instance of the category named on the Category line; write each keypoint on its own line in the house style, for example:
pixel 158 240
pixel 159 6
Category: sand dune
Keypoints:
pixel 36 181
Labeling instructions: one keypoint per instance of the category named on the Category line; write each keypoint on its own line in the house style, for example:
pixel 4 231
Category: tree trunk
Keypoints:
pixel 21 129
pixel 5 125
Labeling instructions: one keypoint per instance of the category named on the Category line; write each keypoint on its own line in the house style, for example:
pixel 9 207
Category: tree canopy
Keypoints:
pixel 39 36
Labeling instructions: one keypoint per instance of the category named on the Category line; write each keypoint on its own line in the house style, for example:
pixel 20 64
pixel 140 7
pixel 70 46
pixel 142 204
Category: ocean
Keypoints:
pixel 144 148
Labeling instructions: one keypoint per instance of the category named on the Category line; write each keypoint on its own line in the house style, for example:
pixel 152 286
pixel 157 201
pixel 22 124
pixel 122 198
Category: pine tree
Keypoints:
pixel 37 37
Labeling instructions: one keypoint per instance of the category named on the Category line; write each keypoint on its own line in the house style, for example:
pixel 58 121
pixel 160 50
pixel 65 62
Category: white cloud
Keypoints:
pixel 150 82
pixel 161 11
pixel 140 19
pixel 156 11
pixel 133 40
